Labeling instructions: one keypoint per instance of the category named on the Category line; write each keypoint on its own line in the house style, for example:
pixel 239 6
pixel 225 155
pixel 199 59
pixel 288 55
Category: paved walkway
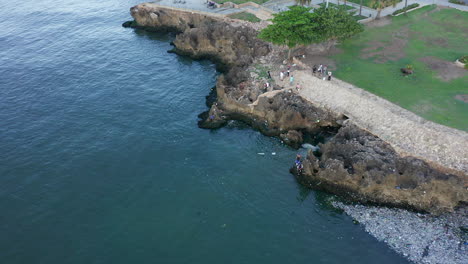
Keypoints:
pixel 275 6
pixel 201 5
pixel 406 132
pixel 282 5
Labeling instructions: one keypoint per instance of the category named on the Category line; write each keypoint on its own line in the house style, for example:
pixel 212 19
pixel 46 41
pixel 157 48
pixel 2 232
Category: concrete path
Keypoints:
pixel 275 6
pixel 406 132
pixel 282 5
pixel 201 5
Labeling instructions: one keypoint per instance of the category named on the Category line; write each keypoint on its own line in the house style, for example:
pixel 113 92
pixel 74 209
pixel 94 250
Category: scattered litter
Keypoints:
pixel 309 146
pixel 261 153
pixel 273 153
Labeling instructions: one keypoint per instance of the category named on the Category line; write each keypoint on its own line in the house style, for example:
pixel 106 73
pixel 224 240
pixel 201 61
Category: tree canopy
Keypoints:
pixel 303 2
pixel 298 26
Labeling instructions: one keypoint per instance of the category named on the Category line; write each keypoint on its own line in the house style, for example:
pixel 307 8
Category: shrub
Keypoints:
pixel 458 2
pixel 405 9
pixel 246 16
pixel 463 59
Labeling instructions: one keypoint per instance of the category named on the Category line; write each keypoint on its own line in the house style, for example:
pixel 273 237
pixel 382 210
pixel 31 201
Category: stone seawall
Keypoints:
pixel 356 163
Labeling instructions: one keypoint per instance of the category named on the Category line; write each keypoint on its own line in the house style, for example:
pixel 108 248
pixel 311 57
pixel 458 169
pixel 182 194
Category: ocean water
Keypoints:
pixel 101 159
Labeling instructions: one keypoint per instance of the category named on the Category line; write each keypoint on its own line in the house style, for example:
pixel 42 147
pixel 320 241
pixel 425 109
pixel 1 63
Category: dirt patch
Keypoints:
pixel 313 54
pixel 313 58
pixel 462 97
pixel 379 22
pixel 319 59
pixel 438 42
pixel 446 70
pixel 382 52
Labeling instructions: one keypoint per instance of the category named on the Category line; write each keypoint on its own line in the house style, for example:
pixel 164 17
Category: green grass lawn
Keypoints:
pixel 372 61
pixel 346 7
pixel 246 16
pixel 364 2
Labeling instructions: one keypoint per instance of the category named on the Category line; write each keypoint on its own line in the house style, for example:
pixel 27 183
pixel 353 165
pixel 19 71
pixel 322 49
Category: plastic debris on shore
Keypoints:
pixel 310 146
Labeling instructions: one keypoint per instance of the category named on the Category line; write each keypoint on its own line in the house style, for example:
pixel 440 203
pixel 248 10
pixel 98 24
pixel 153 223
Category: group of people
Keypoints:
pixel 287 74
pixel 322 71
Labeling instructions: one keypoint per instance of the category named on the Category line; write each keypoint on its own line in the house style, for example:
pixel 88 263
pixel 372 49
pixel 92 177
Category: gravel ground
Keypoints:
pixel 420 238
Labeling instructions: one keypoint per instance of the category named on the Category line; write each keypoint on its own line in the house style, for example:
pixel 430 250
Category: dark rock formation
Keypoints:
pixel 202 35
pixel 233 46
pixel 275 113
pixel 361 166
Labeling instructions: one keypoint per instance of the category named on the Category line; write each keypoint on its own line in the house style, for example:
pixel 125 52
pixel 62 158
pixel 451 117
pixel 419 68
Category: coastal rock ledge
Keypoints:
pixel 355 163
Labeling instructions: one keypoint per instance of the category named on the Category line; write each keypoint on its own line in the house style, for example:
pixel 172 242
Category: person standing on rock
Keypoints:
pixel 269 74
pixel 298 87
pixel 281 75
pixel 314 69
pixel 320 68
pixel 288 72
pixel 325 68
pixel 329 75
pixel 291 79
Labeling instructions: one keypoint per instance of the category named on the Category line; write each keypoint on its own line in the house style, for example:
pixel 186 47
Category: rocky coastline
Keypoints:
pixel 354 163
pixel 420 238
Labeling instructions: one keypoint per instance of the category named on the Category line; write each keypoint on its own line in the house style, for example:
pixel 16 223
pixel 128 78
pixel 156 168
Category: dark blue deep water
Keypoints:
pixel 101 159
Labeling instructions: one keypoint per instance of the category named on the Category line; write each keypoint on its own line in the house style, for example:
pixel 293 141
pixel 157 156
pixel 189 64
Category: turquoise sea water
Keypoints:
pixel 101 159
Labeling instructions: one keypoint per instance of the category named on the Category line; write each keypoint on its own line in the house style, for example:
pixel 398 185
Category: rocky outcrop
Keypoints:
pixel 354 163
pixel 361 166
pixel 211 41
pixel 280 113
pixel 203 35
pixel 157 18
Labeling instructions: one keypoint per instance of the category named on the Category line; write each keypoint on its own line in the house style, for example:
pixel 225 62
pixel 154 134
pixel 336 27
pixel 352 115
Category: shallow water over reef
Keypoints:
pixel 102 161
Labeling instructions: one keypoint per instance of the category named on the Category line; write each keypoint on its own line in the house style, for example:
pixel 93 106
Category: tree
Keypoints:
pixel 406 5
pixel 303 2
pixel 298 26
pixel 291 28
pixel 381 4
pixel 392 2
pixel 378 5
pixel 336 24
pixel 360 7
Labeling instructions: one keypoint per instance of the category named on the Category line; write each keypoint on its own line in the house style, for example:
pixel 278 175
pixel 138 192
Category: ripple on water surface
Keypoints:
pixel 102 160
